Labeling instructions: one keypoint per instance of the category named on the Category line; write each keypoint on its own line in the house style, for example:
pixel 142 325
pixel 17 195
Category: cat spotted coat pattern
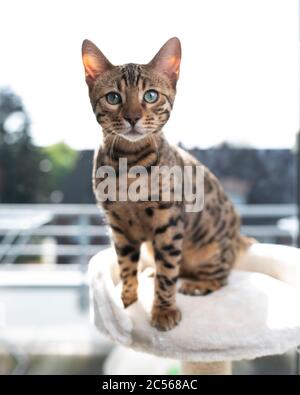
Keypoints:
pixel 132 103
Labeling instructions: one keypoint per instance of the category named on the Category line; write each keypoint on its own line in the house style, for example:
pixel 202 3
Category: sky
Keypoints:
pixel 239 78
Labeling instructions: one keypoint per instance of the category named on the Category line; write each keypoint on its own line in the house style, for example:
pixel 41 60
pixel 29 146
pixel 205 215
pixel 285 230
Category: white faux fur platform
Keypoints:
pixel 254 315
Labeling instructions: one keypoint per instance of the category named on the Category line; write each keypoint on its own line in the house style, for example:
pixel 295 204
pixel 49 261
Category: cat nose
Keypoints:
pixel 132 118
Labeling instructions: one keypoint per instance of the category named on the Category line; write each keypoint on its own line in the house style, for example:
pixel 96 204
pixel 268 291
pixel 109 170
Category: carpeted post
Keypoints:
pixel 206 368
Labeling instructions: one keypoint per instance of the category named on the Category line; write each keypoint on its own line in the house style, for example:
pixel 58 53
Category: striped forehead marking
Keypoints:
pixel 131 74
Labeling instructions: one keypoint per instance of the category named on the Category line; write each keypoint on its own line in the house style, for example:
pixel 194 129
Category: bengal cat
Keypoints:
pixel 132 103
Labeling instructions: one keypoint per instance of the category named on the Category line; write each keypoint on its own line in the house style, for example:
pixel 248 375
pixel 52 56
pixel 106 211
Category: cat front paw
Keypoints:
pixel 165 319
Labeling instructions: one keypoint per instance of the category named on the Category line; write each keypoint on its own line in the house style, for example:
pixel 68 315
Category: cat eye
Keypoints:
pixel 151 96
pixel 113 98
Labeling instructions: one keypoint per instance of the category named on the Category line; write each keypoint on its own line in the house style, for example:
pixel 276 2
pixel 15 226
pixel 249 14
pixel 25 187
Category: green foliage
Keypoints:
pixel 28 174
pixel 57 161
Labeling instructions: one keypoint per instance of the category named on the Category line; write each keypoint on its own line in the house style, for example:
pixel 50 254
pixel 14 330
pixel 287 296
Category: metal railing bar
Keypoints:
pixel 264 230
pixel 7 241
pixel 67 230
pixel 54 287
pixel 246 210
pixel 66 250
pixel 58 209
pixel 267 210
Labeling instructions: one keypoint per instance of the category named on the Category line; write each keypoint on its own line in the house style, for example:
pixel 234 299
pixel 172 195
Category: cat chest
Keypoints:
pixel 137 220
pixel 123 188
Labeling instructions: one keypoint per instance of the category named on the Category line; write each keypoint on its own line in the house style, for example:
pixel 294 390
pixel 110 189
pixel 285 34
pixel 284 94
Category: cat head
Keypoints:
pixel 134 100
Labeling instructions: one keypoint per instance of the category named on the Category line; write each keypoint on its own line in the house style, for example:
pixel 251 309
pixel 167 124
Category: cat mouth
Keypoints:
pixel 133 135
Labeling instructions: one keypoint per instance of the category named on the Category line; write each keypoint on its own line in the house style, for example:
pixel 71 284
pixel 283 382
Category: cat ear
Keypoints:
pixel 167 60
pixel 95 63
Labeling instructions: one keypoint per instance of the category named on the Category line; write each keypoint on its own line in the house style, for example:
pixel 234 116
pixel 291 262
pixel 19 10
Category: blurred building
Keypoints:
pixel 250 176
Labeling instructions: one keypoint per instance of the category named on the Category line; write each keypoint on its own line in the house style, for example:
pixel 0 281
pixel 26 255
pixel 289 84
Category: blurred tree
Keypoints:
pixel 19 159
pixel 57 163
pixel 29 174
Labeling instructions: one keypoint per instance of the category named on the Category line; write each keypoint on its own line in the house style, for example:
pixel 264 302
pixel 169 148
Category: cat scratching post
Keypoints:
pixel 206 368
pixel 256 314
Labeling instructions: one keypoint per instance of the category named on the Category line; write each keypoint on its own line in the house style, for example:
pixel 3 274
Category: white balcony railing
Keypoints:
pixel 73 233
